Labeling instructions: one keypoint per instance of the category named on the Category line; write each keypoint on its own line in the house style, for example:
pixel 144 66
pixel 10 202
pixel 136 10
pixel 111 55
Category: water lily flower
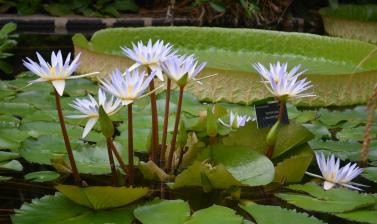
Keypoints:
pixel 55 72
pixel 283 84
pixel 181 69
pixel 236 121
pixel 150 55
pixel 128 86
pixel 333 174
pixel 90 109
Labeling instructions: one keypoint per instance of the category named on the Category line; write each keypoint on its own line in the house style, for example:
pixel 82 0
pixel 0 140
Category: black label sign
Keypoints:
pixel 267 114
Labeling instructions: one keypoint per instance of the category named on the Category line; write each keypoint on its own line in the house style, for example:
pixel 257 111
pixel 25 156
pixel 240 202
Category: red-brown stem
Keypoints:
pixel 175 131
pixel 270 151
pixel 154 123
pixel 72 162
pixel 117 156
pixel 130 147
pixel 111 160
pixel 166 122
pixel 281 110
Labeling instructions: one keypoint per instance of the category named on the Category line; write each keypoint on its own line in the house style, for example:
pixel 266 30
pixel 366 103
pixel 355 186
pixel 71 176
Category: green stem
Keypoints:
pixel 175 131
pixel 111 160
pixel 72 162
pixel 154 145
pixel 166 122
pixel 270 149
pixel 130 147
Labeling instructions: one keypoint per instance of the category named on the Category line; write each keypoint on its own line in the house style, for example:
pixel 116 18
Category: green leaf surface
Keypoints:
pixel 163 212
pixel 370 173
pixel 102 197
pixel 58 209
pixel 42 176
pixel 362 216
pixel 267 214
pixel 8 155
pixel 14 165
pixel 5 178
pixel 215 214
pixel 331 201
pixel 246 165
pixel 230 52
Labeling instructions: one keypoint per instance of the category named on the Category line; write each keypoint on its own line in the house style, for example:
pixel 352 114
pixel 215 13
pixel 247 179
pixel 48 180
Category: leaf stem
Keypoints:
pixel 175 132
pixel 166 122
pixel 119 158
pixel 270 149
pixel 111 160
pixel 130 146
pixel 153 97
pixel 67 143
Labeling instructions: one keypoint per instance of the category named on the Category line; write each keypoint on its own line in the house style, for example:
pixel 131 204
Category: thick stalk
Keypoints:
pixel 154 145
pixel 117 156
pixel 270 150
pixel 166 122
pixel 75 173
pixel 175 131
pixel 111 160
pixel 371 107
pixel 130 147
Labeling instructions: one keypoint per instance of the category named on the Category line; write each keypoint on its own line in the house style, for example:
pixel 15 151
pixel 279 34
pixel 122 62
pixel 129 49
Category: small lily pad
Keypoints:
pixel 11 165
pixel 42 176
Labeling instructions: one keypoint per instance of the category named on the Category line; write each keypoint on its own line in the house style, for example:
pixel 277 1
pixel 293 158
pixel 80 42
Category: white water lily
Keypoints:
pixel 181 69
pixel 128 86
pixel 90 109
pixel 236 121
pixel 284 84
pixel 150 55
pixel 333 174
pixel 56 72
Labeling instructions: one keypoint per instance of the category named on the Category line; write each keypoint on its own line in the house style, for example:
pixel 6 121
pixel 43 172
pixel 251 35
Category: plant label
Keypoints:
pixel 267 114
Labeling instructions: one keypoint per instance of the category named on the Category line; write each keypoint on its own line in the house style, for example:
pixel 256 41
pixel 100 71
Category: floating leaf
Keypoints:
pixel 215 214
pixel 4 178
pixel 58 209
pixel 246 165
pixel 331 201
pixel 163 212
pixel 364 216
pixel 370 173
pixel 100 197
pixel 267 214
pixel 42 176
pixel 4 156
pixel 11 165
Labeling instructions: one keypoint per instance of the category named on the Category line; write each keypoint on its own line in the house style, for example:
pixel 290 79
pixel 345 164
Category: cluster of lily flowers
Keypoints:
pixel 158 59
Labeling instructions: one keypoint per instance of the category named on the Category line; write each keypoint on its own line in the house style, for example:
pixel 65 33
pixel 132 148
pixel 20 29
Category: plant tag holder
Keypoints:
pixel 267 114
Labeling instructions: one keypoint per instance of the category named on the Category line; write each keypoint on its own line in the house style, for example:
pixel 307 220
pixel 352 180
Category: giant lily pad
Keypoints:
pixel 351 21
pixel 230 52
pixel 58 209
pixel 99 197
pixel 215 214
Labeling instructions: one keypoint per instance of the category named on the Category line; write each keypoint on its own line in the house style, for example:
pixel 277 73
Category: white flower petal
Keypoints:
pixel 89 125
pixel 328 185
pixel 59 86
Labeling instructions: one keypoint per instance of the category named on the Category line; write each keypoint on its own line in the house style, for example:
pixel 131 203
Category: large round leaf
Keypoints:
pixel 163 212
pixel 246 165
pixel 215 214
pixel 267 214
pixel 331 201
pixel 58 209
pixel 99 197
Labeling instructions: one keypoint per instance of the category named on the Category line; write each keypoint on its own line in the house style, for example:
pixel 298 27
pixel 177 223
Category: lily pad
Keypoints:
pixel 267 214
pixel 215 214
pixel 99 197
pixel 11 165
pixel 331 201
pixel 163 212
pixel 42 176
pixel 370 173
pixel 4 156
pixel 58 209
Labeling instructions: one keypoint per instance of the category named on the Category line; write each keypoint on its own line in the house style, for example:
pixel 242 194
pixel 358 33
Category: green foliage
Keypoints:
pixel 215 214
pixel 366 12
pixel 267 214
pixel 99 197
pixel 98 8
pixel 164 212
pixel 58 209
pixel 7 42
pixel 333 201
pixel 42 176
